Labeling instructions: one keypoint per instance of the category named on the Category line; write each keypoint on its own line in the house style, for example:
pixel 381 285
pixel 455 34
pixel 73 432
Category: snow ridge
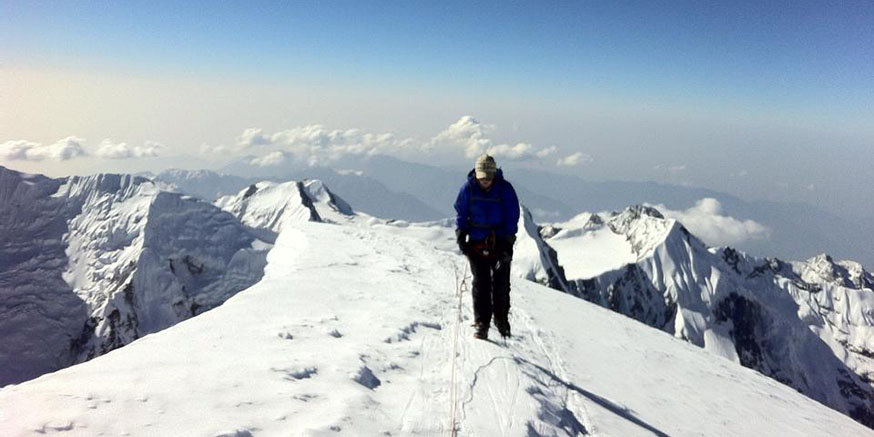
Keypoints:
pixel 270 206
pixel 305 351
pixel 116 258
pixel 535 257
pixel 808 325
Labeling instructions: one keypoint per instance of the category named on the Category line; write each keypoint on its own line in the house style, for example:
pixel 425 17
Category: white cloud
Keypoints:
pixel 467 133
pixel 207 149
pixel 16 150
pixel 547 151
pixel 151 148
pixel 316 144
pixel 271 159
pixel 519 152
pixel 109 150
pixel 574 160
pixel 471 137
pixel 253 137
pixel 706 221
pixel 63 150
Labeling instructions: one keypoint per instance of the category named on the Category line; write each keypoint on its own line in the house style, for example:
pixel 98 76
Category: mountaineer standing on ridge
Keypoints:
pixel 486 221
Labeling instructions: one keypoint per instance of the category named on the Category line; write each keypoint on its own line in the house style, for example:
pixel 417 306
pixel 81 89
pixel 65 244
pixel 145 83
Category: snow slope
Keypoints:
pixel 362 189
pixel 89 264
pixel 270 206
pixel 362 329
pixel 806 324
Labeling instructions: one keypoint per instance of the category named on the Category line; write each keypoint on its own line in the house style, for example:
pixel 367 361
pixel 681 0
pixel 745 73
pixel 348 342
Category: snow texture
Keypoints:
pixel 361 325
pixel 90 264
pixel 264 363
pixel 806 324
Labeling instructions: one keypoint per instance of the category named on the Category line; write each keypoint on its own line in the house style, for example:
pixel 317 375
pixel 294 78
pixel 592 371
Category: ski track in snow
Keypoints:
pixel 351 332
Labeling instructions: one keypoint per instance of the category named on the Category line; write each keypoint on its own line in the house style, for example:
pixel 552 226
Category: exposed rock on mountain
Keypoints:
pixel 89 264
pixel 806 324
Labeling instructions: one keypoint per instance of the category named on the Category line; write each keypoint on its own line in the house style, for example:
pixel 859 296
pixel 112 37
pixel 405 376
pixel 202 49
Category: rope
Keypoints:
pixel 453 410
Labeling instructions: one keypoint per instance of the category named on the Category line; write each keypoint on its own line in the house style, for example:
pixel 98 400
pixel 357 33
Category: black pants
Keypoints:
pixel 491 288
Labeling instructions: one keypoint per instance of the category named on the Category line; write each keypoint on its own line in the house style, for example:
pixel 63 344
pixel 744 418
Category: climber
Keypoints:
pixel 487 213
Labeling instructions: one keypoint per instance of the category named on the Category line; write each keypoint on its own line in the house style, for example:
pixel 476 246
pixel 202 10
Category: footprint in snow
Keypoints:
pixel 242 432
pixel 406 331
pixel 297 373
pixel 305 397
pixel 365 377
pixel 56 426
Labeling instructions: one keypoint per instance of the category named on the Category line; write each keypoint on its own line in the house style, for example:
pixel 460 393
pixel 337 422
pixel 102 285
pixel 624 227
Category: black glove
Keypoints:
pixel 461 239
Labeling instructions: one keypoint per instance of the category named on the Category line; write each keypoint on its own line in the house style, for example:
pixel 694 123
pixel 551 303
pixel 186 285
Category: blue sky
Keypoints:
pixel 696 93
pixel 758 53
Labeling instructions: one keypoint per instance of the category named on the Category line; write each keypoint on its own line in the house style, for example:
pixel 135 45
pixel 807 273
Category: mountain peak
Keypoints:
pixel 644 227
pixel 850 274
pixel 270 206
pixel 637 211
pixel 16 188
pixel 123 185
pixel 318 192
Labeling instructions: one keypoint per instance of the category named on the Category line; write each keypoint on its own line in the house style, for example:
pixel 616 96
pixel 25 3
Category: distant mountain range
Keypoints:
pixel 388 187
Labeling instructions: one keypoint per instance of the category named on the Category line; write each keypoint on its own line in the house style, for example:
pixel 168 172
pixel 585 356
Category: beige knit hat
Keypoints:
pixel 485 167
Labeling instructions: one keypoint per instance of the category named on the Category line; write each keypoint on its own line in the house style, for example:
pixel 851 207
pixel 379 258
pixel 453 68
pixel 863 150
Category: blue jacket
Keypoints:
pixel 480 212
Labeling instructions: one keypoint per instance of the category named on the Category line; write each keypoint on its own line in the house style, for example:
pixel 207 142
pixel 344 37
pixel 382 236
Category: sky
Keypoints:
pixel 765 100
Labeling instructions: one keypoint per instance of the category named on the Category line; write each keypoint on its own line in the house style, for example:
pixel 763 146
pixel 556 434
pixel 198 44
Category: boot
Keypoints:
pixel 482 331
pixel 503 327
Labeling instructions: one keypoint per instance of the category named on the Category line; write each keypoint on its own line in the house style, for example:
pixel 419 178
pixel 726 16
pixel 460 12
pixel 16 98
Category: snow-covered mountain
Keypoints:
pixel 558 197
pixel 806 324
pixel 89 264
pixel 270 206
pixel 363 329
pixel 367 191
pixel 353 317
pixel 385 186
